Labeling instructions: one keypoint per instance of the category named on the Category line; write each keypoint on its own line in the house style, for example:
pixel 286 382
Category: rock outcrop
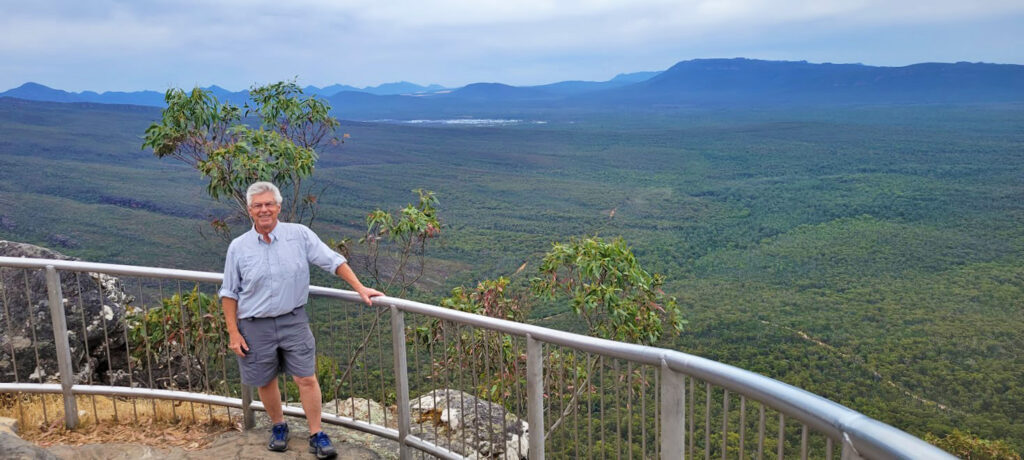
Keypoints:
pixel 92 301
pixel 471 426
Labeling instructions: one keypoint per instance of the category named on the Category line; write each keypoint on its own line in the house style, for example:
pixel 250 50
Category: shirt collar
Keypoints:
pixel 273 234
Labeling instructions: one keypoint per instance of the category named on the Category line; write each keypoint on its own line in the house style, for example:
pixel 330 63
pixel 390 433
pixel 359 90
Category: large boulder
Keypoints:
pixel 94 308
pixel 471 426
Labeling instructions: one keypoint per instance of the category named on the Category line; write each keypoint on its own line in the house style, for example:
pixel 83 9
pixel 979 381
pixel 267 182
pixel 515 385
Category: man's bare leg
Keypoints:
pixel 270 395
pixel 309 393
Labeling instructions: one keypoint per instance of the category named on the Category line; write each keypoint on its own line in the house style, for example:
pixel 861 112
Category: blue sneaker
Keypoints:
pixel 278 437
pixel 320 445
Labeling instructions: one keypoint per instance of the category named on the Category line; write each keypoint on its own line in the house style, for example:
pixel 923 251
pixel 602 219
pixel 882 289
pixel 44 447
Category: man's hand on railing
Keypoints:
pixel 237 344
pixel 367 293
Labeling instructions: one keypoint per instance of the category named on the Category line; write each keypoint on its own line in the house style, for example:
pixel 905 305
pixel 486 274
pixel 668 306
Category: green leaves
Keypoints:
pixel 608 289
pixel 211 137
pixel 397 244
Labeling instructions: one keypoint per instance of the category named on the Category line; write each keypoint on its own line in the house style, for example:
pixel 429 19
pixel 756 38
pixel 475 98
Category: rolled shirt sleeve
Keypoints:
pixel 319 254
pixel 232 282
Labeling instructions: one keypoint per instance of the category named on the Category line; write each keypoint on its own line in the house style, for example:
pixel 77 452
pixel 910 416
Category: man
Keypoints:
pixel 266 285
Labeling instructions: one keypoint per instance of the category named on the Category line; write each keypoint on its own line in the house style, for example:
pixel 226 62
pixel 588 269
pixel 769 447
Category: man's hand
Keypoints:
pixel 237 344
pixel 367 293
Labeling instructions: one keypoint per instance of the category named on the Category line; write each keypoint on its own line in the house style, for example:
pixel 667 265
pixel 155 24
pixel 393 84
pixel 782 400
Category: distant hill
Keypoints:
pixel 749 81
pixel 37 92
pixel 402 87
pixel 699 82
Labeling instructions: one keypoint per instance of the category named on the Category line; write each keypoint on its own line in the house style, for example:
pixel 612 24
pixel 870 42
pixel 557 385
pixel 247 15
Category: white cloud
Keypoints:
pixel 237 42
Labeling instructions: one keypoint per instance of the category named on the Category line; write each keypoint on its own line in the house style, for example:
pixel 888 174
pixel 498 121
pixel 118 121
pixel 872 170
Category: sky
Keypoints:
pixel 132 45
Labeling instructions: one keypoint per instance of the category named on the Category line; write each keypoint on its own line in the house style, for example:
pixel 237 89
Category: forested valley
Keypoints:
pixel 870 254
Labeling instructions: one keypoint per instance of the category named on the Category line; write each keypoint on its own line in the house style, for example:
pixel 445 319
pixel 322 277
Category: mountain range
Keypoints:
pixel 693 83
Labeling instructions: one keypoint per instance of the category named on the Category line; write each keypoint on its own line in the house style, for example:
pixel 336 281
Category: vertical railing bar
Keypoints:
pixel 575 409
pixel 693 416
pixel 349 372
pixel 59 322
pixel 707 421
pixel 106 340
pixel 643 409
pixel 447 370
pixel 486 371
pixel 35 344
pixel 366 368
pixel 803 442
pixel 782 434
pixel 519 365
pixel 170 373
pixel 128 351
pixel 462 386
pixel 629 408
pixel 535 396
pixel 828 448
pixel 336 356
pixel 563 402
pixel 477 392
pixel 601 385
pixel 743 424
pixel 380 364
pixel 725 423
pixel 760 433
pixel 590 412
pixel 657 413
pixel 185 342
pixel 222 344
pixel 145 338
pixel 205 354
pixel 673 409
pixel 618 412
pixel 14 361
pixel 85 341
pixel 401 380
pixel 548 398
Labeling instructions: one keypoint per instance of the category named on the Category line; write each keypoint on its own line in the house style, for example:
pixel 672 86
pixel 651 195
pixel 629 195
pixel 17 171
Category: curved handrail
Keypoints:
pixel 868 437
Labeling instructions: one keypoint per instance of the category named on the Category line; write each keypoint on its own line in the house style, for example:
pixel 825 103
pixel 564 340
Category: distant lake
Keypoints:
pixel 465 121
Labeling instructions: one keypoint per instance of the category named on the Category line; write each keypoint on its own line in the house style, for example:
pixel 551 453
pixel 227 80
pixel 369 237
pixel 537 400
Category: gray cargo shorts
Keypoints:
pixel 281 343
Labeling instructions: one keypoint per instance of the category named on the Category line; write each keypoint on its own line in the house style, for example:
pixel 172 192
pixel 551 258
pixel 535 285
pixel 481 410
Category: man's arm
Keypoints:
pixel 236 341
pixel 345 272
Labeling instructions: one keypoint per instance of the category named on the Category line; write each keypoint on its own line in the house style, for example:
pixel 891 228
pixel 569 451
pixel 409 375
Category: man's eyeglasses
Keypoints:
pixel 259 206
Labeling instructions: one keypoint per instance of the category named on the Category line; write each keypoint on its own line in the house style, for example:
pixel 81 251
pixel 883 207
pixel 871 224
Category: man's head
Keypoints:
pixel 264 200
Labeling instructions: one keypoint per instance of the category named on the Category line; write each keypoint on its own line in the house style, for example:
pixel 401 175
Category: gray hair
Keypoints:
pixel 262 187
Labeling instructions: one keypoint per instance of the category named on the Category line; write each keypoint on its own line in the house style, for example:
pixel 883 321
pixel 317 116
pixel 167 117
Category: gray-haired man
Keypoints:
pixel 266 285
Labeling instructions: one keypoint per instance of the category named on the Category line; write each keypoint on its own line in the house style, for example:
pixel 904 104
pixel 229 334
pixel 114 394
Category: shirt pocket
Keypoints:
pixel 252 270
pixel 293 261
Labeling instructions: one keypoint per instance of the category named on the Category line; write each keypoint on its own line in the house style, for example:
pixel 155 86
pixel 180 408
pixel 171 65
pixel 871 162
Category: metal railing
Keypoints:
pixel 142 333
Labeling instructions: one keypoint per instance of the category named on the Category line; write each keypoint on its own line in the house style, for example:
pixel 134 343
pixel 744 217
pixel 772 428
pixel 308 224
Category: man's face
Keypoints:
pixel 264 210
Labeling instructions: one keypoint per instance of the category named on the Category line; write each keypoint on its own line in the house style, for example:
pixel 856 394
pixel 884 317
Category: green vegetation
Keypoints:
pixel 211 137
pixel 872 255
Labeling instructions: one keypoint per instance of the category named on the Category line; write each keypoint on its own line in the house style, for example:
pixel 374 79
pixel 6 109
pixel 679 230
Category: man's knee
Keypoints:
pixel 306 382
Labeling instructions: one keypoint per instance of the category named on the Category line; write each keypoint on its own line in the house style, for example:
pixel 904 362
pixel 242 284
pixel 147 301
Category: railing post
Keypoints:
pixel 248 415
pixel 535 396
pixel 401 380
pixel 60 340
pixel 673 413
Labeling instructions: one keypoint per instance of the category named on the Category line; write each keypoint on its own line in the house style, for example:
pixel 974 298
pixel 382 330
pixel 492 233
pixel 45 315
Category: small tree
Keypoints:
pixel 612 294
pixel 607 288
pixel 396 254
pixel 213 138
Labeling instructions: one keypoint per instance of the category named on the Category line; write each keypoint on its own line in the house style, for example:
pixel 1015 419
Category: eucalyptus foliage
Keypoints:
pixel 609 290
pixel 232 150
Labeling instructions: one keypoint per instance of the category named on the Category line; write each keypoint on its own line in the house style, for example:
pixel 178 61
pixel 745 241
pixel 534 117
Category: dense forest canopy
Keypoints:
pixel 870 254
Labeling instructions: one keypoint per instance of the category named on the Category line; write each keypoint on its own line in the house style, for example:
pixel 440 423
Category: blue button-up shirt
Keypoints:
pixel 271 279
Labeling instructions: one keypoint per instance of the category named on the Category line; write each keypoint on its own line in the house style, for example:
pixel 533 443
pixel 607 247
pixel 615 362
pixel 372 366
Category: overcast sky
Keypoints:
pixel 129 45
